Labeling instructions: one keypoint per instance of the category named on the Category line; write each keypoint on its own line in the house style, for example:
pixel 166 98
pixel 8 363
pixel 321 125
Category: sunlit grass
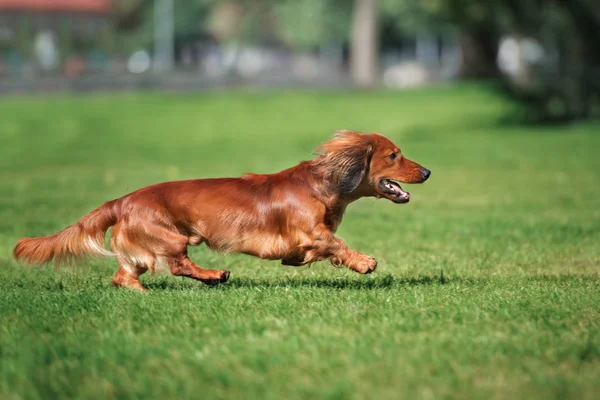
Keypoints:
pixel 488 282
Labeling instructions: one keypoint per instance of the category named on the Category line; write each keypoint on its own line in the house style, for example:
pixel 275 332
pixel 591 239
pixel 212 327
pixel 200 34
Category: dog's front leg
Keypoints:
pixel 329 246
pixel 361 263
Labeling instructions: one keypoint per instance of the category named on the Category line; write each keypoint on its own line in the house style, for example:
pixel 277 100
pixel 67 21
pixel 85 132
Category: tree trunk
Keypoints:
pixel 586 20
pixel 365 43
pixel 479 48
pixel 164 29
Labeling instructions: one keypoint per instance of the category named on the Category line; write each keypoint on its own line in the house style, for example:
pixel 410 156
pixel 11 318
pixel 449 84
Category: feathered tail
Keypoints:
pixel 85 238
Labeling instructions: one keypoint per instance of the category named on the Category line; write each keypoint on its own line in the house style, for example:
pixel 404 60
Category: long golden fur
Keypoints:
pixel 291 215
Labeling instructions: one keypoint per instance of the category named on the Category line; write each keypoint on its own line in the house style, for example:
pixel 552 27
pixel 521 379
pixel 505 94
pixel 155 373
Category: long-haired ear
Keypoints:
pixel 345 159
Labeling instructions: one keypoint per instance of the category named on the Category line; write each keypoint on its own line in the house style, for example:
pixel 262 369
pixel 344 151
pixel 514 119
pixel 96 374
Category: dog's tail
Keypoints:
pixel 85 238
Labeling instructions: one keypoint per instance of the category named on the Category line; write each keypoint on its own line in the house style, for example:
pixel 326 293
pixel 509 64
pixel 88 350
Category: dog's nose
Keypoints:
pixel 426 173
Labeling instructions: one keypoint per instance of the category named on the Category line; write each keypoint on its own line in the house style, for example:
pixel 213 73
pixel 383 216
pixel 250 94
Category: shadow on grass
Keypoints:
pixel 168 283
pixel 384 281
pixel 361 283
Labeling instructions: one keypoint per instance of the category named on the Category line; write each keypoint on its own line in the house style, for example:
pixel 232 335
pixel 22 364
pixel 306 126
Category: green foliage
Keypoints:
pixel 488 283
pixel 416 16
pixel 310 23
pixel 190 17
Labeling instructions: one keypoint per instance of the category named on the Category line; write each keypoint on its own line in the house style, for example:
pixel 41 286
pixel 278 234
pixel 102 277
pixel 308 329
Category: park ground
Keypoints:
pixel 488 281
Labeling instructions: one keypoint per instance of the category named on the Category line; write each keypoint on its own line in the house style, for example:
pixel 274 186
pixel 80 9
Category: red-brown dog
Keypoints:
pixel 291 215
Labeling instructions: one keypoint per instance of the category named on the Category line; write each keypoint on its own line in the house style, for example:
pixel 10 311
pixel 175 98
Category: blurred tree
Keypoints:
pixel 563 84
pixel 364 52
pixel 136 23
pixel 309 24
pixel 413 16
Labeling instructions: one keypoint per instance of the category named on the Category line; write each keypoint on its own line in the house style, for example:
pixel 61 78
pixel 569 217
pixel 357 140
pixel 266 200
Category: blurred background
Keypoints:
pixel 542 53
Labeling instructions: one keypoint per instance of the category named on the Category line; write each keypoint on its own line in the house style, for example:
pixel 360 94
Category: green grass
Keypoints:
pixel 487 287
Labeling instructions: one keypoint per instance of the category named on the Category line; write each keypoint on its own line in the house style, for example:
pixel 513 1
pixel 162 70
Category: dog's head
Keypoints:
pixel 369 165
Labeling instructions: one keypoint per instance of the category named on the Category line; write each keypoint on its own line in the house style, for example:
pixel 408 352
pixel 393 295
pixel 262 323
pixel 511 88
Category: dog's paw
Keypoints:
pixel 224 276
pixel 220 277
pixel 366 265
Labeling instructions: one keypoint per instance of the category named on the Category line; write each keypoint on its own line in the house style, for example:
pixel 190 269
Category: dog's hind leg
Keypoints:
pixel 181 265
pixel 139 246
pixel 133 260
pixel 128 276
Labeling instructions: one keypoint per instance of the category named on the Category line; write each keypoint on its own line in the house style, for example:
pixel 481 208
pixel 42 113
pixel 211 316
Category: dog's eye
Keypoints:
pixel 393 156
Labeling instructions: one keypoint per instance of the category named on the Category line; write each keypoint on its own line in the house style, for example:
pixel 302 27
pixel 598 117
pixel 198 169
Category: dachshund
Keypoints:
pixel 290 216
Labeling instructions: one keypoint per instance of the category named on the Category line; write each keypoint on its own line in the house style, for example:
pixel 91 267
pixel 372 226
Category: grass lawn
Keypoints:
pixel 488 281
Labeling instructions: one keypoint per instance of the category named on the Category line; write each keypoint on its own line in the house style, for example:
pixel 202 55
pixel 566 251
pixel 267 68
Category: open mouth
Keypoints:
pixel 394 191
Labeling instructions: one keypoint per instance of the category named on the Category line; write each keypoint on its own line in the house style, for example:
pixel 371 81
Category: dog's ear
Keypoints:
pixel 345 159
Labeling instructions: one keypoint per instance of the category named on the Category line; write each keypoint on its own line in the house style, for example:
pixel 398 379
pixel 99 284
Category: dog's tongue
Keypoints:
pixel 397 189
